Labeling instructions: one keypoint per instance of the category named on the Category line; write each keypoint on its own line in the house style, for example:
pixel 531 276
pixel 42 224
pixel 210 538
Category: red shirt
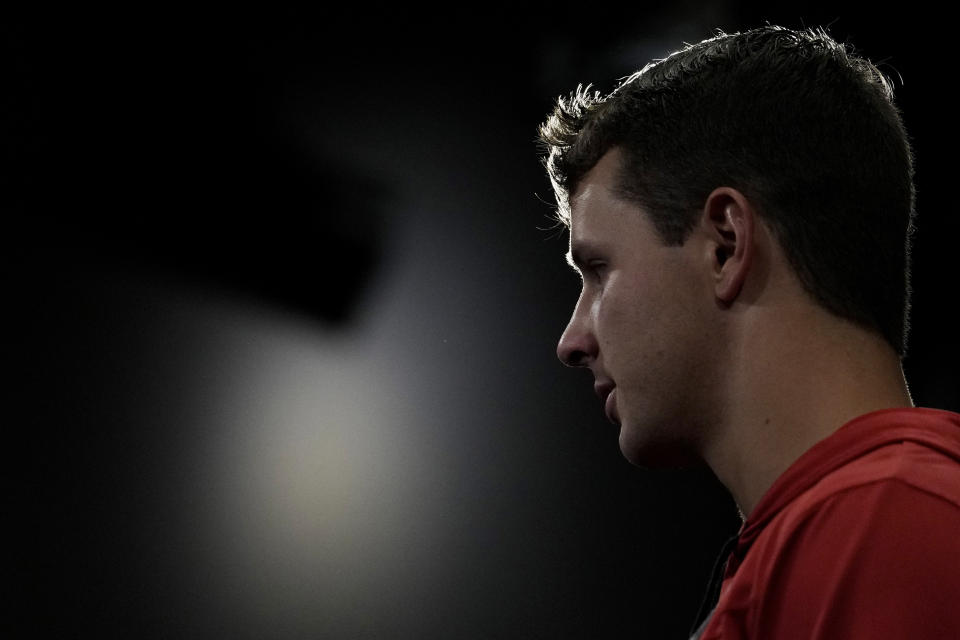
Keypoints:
pixel 859 538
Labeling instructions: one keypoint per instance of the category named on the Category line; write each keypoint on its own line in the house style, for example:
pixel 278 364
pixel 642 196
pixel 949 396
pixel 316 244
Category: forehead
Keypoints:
pixel 595 197
pixel 597 213
pixel 606 225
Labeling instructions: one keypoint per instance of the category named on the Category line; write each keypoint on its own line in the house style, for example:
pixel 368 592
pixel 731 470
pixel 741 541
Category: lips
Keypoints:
pixel 610 406
pixel 606 391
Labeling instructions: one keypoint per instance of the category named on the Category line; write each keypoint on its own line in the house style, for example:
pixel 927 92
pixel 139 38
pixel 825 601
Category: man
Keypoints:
pixel 740 213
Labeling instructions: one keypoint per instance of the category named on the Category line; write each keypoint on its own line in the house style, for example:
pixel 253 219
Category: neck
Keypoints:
pixel 817 372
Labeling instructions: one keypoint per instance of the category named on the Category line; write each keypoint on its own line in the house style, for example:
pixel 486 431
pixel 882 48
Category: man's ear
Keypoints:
pixel 729 218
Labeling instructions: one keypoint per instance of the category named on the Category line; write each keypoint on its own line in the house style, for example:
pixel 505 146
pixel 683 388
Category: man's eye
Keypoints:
pixel 597 268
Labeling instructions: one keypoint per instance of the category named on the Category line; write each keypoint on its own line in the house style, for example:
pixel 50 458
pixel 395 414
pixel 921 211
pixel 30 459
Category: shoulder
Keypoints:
pixel 880 488
pixel 873 548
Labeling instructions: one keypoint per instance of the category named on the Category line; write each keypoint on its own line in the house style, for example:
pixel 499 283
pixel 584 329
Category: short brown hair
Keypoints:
pixel 799 123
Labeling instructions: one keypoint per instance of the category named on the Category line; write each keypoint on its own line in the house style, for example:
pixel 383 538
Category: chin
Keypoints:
pixel 656 454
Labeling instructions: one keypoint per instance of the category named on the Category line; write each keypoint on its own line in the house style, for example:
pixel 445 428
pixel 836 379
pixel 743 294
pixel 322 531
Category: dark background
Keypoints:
pixel 282 299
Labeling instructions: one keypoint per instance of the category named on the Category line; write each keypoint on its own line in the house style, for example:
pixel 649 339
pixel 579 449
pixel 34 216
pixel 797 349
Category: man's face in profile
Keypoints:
pixel 639 324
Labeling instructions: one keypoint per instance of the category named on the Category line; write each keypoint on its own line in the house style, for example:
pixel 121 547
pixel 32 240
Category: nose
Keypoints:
pixel 578 346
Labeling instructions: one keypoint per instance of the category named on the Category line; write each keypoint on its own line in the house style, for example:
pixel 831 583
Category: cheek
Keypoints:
pixel 620 321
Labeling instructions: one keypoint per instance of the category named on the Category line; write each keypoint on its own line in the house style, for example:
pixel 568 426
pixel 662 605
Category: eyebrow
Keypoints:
pixel 574 260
